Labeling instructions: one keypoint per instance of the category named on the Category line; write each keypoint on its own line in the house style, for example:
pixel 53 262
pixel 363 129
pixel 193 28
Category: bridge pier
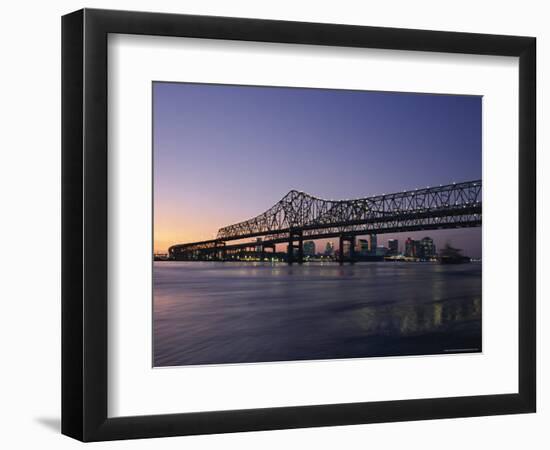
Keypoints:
pixel 266 246
pixel 298 236
pixel 352 250
pixel 221 253
pixel 346 238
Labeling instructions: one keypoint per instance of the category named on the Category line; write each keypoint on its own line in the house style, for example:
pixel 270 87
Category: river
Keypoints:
pixel 235 312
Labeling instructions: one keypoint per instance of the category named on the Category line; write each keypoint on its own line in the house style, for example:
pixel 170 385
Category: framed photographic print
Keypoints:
pixel 273 224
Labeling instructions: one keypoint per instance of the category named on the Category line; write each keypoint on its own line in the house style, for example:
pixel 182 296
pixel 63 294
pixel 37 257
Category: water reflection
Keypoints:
pixel 212 313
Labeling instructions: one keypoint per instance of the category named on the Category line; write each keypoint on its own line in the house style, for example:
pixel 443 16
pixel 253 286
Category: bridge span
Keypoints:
pixel 299 216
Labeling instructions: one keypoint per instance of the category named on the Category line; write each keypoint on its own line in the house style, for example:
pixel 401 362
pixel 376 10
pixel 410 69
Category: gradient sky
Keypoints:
pixel 223 154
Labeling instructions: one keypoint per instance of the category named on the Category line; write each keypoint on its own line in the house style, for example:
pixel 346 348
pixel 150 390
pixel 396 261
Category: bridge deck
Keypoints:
pixel 300 216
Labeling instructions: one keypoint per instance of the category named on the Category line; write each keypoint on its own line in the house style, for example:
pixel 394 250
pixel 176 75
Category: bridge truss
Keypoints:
pixel 298 216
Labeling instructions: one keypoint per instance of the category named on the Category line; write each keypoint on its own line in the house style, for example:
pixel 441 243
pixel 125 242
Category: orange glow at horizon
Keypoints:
pixel 168 232
pixel 171 226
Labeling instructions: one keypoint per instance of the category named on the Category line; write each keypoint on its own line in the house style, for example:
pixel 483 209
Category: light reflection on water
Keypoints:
pixel 214 313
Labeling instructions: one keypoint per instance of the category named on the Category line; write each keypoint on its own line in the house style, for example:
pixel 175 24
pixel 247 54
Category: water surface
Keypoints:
pixel 229 312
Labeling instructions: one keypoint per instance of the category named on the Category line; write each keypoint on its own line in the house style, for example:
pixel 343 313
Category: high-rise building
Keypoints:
pixel 422 249
pixel 363 247
pixel 309 248
pixel 373 243
pixel 329 249
pixel 409 248
pixel 427 248
pixel 418 253
pixel 413 249
pixel 393 247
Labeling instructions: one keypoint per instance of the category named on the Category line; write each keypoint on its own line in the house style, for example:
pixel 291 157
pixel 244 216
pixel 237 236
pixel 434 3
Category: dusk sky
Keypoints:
pixel 223 154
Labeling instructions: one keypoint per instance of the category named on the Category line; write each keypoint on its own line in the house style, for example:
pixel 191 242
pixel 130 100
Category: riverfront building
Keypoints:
pixel 373 243
pixel 329 249
pixel 309 248
pixel 393 247
pixel 427 248
pixel 363 247
pixel 422 249
pixel 410 248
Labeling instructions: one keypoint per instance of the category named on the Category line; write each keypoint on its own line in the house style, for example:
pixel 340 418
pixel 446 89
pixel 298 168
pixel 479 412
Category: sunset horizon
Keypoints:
pixel 224 154
pixel 252 182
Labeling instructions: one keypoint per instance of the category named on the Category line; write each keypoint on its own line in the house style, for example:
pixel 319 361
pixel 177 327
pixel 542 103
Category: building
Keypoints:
pixel 393 247
pixel 381 251
pixel 329 249
pixel 409 248
pixel 363 247
pixel 413 249
pixel 309 248
pixel 372 243
pixel 422 249
pixel 427 248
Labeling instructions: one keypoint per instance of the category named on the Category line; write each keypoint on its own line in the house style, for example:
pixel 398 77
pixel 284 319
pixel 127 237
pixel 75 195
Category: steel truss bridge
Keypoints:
pixel 299 216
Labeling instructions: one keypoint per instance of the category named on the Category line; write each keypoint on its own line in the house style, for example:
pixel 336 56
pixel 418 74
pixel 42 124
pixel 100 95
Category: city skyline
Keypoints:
pixel 223 154
pixel 328 246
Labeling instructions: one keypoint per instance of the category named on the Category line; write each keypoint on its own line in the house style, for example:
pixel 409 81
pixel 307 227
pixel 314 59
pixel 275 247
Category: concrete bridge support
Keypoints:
pixel 221 252
pixel 346 238
pixel 265 247
pixel 298 256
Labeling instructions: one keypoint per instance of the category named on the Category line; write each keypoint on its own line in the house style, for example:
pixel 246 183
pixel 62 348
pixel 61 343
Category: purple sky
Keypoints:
pixel 223 154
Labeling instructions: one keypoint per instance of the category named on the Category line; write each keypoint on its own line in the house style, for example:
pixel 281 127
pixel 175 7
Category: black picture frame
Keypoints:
pixel 84 224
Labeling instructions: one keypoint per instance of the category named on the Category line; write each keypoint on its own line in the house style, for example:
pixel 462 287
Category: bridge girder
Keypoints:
pixel 298 210
pixel 451 206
